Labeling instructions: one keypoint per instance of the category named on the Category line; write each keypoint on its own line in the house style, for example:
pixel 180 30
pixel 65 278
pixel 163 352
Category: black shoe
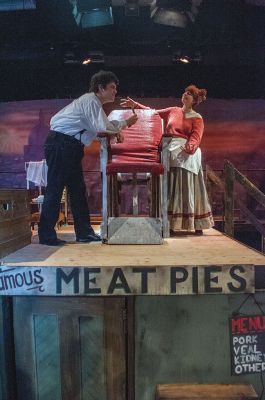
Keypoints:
pixel 52 242
pixel 92 237
pixel 199 232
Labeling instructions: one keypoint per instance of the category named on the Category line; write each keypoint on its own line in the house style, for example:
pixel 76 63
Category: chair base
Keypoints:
pixel 134 230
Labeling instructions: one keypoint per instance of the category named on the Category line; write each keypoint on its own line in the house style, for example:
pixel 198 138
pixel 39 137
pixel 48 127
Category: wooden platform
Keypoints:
pixel 213 248
pixel 182 265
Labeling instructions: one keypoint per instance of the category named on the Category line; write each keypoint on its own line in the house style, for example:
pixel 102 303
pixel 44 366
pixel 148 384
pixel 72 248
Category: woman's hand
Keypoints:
pixel 128 103
pixel 132 120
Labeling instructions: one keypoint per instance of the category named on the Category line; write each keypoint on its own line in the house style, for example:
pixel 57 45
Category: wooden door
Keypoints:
pixel 70 348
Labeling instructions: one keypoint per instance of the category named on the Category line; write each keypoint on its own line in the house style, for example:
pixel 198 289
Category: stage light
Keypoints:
pixel 184 59
pixel 132 8
pixel 177 13
pixel 87 61
pixel 169 17
pixel 94 57
pixel 93 13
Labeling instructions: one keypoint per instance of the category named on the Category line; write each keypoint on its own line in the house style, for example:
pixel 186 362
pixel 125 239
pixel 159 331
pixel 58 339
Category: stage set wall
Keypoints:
pixel 186 339
pixel 178 339
pixel 234 130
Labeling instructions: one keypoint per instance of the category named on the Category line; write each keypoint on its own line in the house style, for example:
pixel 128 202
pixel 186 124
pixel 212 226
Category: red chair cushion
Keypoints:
pixel 139 151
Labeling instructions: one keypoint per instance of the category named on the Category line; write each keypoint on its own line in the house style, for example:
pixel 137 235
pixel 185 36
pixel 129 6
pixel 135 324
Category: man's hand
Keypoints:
pixel 120 137
pixel 128 103
pixel 132 120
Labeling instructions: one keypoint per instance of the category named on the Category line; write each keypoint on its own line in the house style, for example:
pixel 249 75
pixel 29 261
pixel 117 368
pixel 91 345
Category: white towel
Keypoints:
pixel 37 172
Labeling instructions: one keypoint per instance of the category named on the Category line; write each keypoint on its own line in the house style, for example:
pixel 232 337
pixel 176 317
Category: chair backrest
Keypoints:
pixel 140 150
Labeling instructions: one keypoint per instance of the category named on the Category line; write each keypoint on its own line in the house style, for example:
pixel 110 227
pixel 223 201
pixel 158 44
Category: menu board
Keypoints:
pixel 247 344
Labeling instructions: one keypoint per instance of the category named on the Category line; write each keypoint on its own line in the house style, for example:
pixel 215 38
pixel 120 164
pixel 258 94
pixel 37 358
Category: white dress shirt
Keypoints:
pixel 87 113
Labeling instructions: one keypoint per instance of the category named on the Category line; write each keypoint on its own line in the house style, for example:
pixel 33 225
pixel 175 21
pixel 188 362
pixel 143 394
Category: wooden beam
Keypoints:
pixel 164 192
pixel 248 185
pixel 214 178
pixel 229 198
pixel 103 166
pixel 135 195
pixel 130 306
pixel 205 391
pixel 251 217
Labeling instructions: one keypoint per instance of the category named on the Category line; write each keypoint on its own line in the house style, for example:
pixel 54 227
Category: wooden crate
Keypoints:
pixel 205 392
pixel 15 230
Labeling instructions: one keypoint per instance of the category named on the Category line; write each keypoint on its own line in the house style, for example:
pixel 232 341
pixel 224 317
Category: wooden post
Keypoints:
pixel 135 195
pixel 103 167
pixel 229 198
pixel 115 195
pixel 208 184
pixel 164 191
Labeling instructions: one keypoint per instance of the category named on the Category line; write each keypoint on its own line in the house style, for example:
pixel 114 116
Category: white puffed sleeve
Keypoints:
pixel 99 120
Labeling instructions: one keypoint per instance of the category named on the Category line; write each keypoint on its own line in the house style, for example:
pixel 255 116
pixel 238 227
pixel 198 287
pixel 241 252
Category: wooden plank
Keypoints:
pixel 186 249
pixel 205 392
pixel 47 359
pixel 70 357
pixel 15 230
pixel 14 244
pixel 164 191
pixel 103 166
pixel 229 199
pixel 113 281
pixel 251 189
pixel 130 301
pixel 25 365
pixel 115 349
pixel 92 349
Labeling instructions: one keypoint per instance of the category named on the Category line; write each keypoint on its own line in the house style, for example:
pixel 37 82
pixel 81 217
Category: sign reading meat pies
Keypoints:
pixel 84 281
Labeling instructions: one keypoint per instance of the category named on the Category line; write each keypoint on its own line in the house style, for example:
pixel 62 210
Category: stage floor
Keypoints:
pixel 213 248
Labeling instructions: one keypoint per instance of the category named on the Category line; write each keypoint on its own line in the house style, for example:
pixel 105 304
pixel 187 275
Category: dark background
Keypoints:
pixel 229 34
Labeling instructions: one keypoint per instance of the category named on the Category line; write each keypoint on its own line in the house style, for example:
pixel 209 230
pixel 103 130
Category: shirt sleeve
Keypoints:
pixel 196 136
pixel 97 117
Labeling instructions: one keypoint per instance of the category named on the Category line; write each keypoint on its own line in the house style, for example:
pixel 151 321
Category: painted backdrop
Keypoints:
pixel 234 130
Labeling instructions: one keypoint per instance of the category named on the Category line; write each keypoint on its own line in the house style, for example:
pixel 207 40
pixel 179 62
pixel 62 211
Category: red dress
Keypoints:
pixel 177 125
pixel 188 204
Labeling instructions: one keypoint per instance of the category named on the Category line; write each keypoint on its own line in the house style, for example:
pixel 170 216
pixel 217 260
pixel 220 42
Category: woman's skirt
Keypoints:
pixel 189 208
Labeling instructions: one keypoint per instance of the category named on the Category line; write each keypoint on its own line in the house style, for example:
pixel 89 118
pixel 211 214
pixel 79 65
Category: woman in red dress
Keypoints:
pixel 188 206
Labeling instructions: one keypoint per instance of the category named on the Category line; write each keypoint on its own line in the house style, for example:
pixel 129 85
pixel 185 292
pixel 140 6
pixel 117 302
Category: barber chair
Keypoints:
pixel 141 159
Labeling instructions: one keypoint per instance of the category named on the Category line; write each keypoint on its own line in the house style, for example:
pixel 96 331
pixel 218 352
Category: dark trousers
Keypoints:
pixel 63 155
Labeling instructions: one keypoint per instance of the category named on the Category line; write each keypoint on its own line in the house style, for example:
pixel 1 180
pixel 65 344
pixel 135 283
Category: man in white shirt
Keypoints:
pixel 72 128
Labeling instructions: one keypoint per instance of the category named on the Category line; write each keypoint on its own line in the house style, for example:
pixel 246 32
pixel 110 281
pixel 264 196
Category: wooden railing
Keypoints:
pixel 232 175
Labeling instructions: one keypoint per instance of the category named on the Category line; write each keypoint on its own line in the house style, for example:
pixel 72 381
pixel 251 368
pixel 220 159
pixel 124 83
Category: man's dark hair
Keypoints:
pixel 102 78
